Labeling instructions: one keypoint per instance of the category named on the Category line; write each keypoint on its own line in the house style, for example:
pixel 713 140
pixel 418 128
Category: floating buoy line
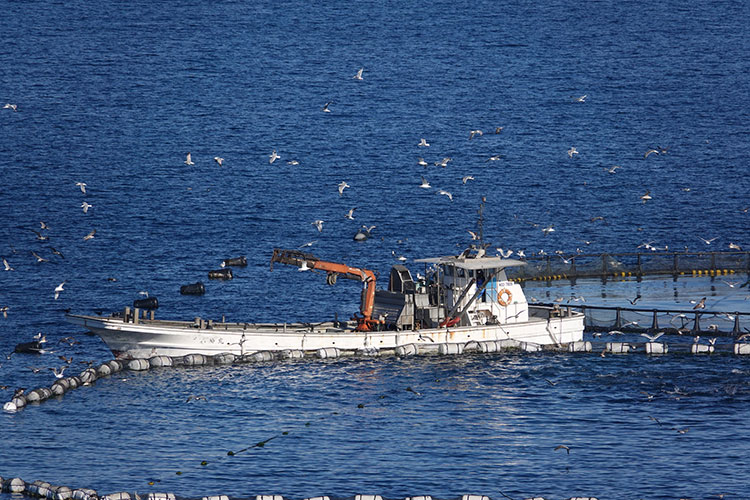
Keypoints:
pixel 42 489
pixel 88 376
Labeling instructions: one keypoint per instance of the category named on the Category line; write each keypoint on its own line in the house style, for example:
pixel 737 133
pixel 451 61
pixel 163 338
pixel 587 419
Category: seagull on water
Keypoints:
pixel 58 289
pixel 90 235
pixel 425 184
pixel 398 257
pixel 219 160
pixel 423 142
pixel 342 185
pixel 292 162
pixel 318 224
pixel 273 157
pixel 82 185
pixel 548 229
pixel 572 151
pixel 358 76
pixel 494 158
pixel 85 206
pixel 446 193
pixel 189 159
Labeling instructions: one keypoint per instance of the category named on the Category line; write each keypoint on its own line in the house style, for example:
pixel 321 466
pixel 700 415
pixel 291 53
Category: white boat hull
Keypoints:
pixel 147 338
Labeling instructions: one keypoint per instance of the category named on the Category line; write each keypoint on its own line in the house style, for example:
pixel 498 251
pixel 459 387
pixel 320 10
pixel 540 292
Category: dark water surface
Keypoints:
pixel 115 94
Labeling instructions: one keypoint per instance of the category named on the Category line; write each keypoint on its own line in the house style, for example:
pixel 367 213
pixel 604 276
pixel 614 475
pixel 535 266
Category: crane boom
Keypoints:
pixel 333 270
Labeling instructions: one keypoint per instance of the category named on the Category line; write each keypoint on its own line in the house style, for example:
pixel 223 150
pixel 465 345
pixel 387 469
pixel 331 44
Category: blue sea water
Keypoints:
pixel 115 94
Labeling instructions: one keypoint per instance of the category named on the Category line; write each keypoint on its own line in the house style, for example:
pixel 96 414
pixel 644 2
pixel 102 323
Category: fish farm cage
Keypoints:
pixel 612 265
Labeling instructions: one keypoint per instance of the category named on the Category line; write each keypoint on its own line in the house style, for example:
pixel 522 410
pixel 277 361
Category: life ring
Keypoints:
pixel 500 300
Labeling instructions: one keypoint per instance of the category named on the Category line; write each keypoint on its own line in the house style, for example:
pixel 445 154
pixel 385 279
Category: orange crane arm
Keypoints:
pixel 333 269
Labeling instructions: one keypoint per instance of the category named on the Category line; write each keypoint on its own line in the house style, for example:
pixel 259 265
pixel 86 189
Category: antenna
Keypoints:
pixel 480 222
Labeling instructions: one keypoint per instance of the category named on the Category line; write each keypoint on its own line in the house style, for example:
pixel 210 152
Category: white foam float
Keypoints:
pixel 269 497
pixel 123 495
pixel 14 485
pixel 160 361
pixel 487 346
pixel 368 352
pixel 368 497
pixel 742 348
pixel 88 376
pixel 291 354
pixel 407 350
pixel 259 356
pixel 618 347
pixel 328 353
pixel 103 370
pixel 35 487
pixel 426 497
pixel 474 497
pixel 85 494
pixel 318 498
pixel 60 493
pixel 19 401
pixel 224 358
pixel 216 497
pixel 160 496
pixel 10 406
pixel 580 346
pixel 60 387
pixel 701 349
pixel 509 344
pixel 450 349
pixel 583 498
pixel 195 360
pixel 656 348
pixel 138 365
pixel 116 366
pixel 530 347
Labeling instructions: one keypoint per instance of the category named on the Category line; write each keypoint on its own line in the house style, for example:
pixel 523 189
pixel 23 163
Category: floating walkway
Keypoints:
pixel 622 265
pixel 87 377
pixel 42 489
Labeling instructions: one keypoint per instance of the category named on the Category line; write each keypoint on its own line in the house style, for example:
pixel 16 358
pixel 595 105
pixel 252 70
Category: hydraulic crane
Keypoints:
pixel 333 270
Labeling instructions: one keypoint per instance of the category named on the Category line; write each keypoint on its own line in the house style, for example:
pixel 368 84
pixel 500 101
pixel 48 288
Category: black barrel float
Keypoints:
pixel 235 261
pixel 220 274
pixel 147 303
pixel 34 347
pixel 193 289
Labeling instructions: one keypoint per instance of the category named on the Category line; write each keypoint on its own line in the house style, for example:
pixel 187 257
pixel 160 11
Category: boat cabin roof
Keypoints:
pixel 473 263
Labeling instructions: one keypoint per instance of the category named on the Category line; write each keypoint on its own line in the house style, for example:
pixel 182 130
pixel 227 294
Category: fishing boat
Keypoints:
pixel 461 301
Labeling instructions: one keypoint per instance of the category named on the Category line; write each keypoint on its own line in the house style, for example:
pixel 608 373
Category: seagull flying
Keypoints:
pixel 350 214
pixel 219 160
pixel 446 193
pixel 425 184
pixel 325 107
pixel 467 178
pixel 7 266
pixel 14 107
pixel 318 224
pixel 572 151
pixel 59 374
pixel 646 196
pixel 82 185
pixel 58 289
pixel 581 98
pixel 475 133
pixel 708 242
pixel 645 155
pixel 613 169
pixel 273 157
pixel 652 338
pixel 85 206
pixel 358 76
pixel 701 304
pixel 189 159
pixel 422 163
pixel 90 235
pixel 342 185
pixel 423 142
pixel 39 258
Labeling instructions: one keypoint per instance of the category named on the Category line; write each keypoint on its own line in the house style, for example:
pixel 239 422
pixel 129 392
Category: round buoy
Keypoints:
pixel 15 485
pixel 19 401
pixel 88 376
pixel 85 494
pixel 115 365
pixel 103 370
pixel 11 407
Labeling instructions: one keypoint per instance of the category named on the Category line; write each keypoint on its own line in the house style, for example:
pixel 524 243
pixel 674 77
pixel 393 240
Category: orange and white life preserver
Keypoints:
pixel 504 293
